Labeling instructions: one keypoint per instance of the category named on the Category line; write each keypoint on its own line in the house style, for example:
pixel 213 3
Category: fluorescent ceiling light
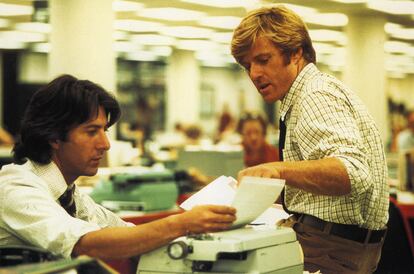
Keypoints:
pixel 196 44
pixel 172 14
pixel 34 27
pixel 327 19
pixel 324 48
pixel 153 39
pixel 141 56
pixel 392 7
pixel 351 1
pixel 22 36
pixel 41 47
pixel 15 10
pixel 398 31
pixel 222 37
pixel 224 22
pixel 162 50
pixel 187 32
pixel 4 23
pixel 122 46
pixel 300 10
pixel 120 35
pixel 137 25
pixel 323 35
pixel 222 3
pixel 11 44
pixel 120 6
pixel 396 47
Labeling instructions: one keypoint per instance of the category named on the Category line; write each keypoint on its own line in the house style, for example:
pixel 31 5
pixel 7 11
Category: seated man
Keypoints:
pixel 62 137
pixel 256 149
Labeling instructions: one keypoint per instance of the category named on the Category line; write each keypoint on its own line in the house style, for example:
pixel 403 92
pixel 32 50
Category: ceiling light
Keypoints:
pixel 15 10
pixel 153 39
pixel 196 44
pixel 22 36
pixel 120 6
pixel 122 46
pixel 137 25
pixel 351 1
pixel 300 10
pixel 120 35
pixel 34 27
pixel 222 37
pixel 11 44
pixel 324 48
pixel 172 14
pixel 41 47
pixel 327 19
pixel 162 50
pixel 141 56
pixel 392 7
pixel 396 47
pixel 187 32
pixel 221 3
pixel 224 22
pixel 4 23
pixel 323 35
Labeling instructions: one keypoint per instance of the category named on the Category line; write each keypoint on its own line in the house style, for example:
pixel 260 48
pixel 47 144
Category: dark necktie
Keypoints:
pixel 67 201
pixel 282 137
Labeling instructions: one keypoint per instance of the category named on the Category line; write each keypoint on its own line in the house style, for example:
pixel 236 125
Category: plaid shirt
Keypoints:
pixel 325 119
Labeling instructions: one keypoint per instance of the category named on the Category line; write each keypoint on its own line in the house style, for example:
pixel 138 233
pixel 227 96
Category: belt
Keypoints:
pixel 350 232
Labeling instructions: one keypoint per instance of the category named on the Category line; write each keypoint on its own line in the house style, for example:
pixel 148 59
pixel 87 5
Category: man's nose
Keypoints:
pixel 255 72
pixel 103 142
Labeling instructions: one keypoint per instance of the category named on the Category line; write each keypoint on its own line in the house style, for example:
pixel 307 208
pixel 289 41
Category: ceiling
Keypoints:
pixel 145 31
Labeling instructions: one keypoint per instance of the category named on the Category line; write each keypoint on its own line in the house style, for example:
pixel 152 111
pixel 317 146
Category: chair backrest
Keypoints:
pixel 16 255
pixel 396 256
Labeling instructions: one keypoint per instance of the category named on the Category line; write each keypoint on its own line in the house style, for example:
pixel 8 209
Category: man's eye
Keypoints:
pixel 263 60
pixel 92 132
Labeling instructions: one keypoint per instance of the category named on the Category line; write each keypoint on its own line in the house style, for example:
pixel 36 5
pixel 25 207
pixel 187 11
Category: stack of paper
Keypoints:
pixel 251 198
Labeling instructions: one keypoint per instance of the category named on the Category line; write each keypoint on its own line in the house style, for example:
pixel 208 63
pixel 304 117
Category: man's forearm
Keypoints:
pixel 324 177
pixel 123 242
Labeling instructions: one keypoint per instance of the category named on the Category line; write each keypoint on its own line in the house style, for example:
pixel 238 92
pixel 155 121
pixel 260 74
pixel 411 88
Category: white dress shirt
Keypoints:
pixel 30 213
pixel 325 119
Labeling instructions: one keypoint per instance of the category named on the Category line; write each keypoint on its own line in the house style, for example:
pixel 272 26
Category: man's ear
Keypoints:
pixel 55 144
pixel 297 56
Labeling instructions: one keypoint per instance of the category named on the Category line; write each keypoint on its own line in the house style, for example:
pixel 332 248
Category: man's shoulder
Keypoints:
pixel 14 174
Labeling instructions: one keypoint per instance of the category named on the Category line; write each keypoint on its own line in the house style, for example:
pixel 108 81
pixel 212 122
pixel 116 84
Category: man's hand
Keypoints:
pixel 268 170
pixel 208 218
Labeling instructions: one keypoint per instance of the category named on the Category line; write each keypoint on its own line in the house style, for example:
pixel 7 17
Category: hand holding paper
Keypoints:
pixel 253 196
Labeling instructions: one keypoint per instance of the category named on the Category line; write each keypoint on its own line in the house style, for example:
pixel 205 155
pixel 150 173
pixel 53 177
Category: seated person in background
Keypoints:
pixel 256 149
pixel 6 139
pixel 63 136
pixel 405 139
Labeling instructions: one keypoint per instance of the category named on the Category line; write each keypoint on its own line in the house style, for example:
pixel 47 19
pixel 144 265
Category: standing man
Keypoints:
pixel 334 163
pixel 62 137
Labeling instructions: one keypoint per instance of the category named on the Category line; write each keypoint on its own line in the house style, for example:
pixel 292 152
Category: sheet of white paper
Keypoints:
pixel 254 196
pixel 271 216
pixel 219 192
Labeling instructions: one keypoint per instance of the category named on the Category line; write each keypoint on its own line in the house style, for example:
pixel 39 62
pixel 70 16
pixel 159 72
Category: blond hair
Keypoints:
pixel 280 25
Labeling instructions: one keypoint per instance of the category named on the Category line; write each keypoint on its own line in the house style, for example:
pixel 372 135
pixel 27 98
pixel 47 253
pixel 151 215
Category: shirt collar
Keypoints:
pixel 51 174
pixel 288 101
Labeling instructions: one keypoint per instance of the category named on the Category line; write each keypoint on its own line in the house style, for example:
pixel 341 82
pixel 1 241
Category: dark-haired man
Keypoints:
pixel 62 137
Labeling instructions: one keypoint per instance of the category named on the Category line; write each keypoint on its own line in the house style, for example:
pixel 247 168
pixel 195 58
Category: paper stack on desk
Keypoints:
pixel 251 198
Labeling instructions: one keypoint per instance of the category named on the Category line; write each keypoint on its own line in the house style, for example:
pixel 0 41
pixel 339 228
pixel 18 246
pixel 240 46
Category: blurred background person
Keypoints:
pixel 6 139
pixel 256 149
pixel 405 139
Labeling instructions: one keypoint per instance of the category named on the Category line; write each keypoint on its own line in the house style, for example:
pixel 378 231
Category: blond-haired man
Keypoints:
pixel 334 163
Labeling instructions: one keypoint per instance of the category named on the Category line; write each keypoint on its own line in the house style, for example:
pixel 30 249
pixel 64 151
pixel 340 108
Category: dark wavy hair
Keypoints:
pixel 56 108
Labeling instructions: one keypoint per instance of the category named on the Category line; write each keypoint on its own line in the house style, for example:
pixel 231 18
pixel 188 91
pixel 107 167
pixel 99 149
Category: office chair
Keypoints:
pixel 396 256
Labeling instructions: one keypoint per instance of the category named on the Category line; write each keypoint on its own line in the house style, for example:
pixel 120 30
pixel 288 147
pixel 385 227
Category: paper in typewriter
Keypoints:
pixel 253 196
